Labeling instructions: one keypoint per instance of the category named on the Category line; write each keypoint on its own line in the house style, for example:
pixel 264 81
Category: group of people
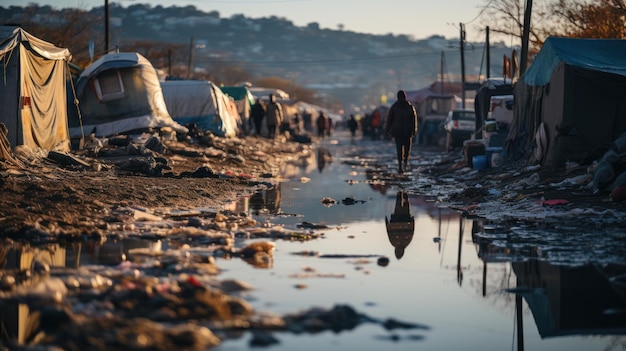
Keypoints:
pixel 400 124
pixel 273 114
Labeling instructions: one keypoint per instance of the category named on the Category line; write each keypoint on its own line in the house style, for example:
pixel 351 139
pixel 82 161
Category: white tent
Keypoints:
pixel 202 103
pixel 32 92
pixel 119 93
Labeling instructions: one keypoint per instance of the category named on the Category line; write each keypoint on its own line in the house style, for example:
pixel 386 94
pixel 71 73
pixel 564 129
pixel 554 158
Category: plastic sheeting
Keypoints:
pixel 605 55
pixel 32 91
pixel 202 103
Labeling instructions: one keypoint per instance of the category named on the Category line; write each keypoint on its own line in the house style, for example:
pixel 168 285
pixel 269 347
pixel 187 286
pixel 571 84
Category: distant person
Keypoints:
pixel 376 124
pixel 401 224
pixel 402 126
pixel 321 124
pixel 329 125
pixel 257 113
pixel 296 123
pixel 273 116
pixel 353 125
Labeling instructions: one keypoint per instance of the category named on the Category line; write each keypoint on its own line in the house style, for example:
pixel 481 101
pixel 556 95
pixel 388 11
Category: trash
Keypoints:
pixel 327 201
pixel 619 194
pixel 553 202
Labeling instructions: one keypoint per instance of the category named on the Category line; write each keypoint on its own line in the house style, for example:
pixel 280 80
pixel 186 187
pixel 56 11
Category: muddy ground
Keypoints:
pixel 107 190
pixel 77 197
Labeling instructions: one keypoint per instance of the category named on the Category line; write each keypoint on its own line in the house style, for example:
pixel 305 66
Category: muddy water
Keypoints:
pixel 463 283
pixel 451 275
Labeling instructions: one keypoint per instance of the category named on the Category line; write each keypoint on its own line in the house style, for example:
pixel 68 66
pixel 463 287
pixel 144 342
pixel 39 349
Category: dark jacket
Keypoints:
pixel 401 119
pixel 258 111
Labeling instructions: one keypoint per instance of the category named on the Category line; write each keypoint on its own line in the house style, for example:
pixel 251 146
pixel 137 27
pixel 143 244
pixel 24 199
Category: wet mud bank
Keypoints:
pixel 249 242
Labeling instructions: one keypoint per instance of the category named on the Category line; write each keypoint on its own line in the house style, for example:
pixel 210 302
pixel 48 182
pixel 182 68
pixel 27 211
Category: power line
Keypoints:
pixel 324 62
pixel 480 12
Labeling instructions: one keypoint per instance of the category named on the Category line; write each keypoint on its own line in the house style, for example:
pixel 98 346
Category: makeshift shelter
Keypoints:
pixel 571 102
pixel 119 93
pixel 243 100
pixel 488 89
pixel 202 103
pixel 571 300
pixel 32 90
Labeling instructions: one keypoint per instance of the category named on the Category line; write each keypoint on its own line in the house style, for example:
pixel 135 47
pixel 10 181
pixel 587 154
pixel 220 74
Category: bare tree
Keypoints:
pixel 506 18
pixel 589 19
pixel 566 18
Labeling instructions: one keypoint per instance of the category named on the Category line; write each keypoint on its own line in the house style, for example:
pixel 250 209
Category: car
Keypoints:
pixel 430 132
pixel 460 125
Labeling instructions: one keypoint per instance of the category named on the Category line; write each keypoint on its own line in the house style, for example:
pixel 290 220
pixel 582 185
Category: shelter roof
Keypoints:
pixel 606 55
pixel 12 36
pixel 115 60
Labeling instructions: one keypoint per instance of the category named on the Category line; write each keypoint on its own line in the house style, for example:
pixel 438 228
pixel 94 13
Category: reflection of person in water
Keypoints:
pixel 401 225
pixel 323 156
pixel 272 199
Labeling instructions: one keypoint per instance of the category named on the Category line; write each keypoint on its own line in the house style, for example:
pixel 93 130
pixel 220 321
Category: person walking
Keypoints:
pixel 273 116
pixel 257 113
pixel 352 125
pixel 401 124
pixel 321 124
pixel 329 125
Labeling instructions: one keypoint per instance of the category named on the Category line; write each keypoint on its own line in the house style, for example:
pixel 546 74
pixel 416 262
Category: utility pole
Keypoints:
pixel 190 65
pixel 488 52
pixel 106 26
pixel 169 63
pixel 441 64
pixel 462 35
pixel 525 36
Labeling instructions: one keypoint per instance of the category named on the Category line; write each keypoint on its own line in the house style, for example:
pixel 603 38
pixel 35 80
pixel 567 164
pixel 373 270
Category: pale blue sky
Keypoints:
pixel 418 18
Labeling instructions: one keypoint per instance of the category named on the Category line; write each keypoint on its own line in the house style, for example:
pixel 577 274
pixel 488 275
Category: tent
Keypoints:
pixel 119 93
pixel 243 100
pixel 32 92
pixel 202 103
pixel 571 300
pixel 571 102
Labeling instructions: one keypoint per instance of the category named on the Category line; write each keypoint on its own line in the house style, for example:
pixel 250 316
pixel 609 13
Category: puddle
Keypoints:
pixel 391 253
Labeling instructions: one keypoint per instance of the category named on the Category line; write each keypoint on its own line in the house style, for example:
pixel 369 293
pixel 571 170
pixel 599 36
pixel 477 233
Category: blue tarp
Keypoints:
pixel 605 55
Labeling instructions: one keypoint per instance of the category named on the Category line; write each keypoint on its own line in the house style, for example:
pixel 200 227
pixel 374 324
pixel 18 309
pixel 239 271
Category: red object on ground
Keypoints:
pixel 554 202
pixel 619 194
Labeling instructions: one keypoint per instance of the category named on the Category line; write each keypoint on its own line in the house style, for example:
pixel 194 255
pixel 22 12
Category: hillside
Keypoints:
pixel 346 68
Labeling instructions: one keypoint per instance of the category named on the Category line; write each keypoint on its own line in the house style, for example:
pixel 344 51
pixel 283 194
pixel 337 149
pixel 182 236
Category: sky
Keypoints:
pixel 417 18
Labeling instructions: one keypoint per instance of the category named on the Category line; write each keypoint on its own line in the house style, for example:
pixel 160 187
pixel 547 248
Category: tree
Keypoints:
pixel 74 29
pixel 506 17
pixel 565 18
pixel 595 19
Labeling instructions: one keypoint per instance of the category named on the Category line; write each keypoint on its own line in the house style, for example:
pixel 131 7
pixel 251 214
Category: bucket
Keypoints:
pixel 496 159
pixel 479 162
pixel 494 156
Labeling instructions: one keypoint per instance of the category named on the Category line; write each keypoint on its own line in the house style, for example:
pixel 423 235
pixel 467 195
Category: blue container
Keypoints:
pixel 479 162
pixel 494 156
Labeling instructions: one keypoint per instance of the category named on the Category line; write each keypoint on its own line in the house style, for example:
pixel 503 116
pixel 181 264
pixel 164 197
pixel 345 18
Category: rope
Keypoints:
pixel 76 102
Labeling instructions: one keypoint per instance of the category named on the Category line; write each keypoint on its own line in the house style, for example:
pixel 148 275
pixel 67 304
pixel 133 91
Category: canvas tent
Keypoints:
pixel 243 100
pixel 119 93
pixel 202 103
pixel 32 90
pixel 571 102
